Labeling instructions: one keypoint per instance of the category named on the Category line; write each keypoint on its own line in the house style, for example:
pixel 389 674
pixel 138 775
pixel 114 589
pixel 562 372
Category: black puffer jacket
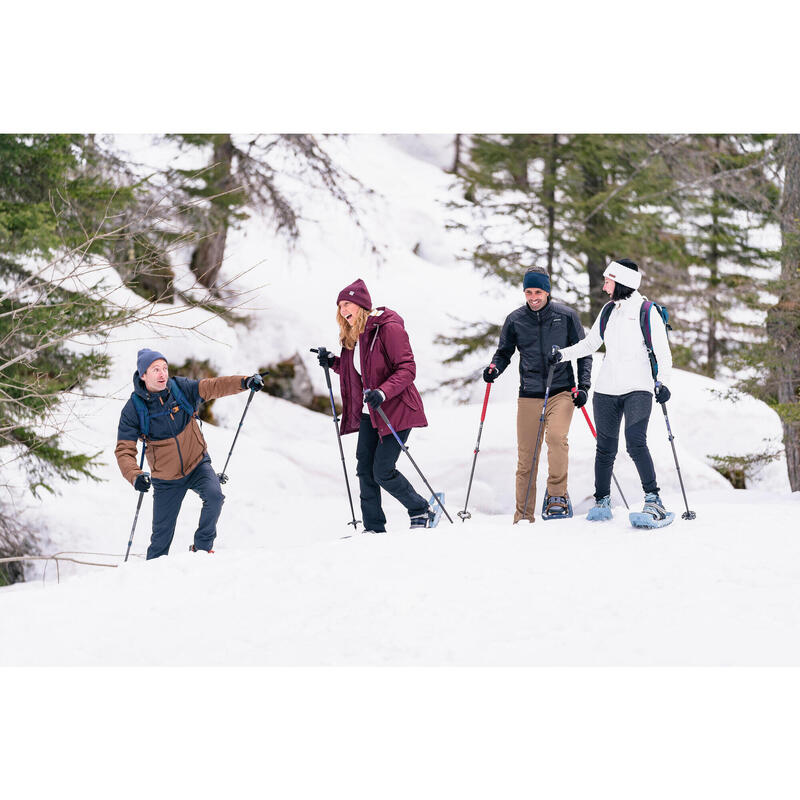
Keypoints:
pixel 534 333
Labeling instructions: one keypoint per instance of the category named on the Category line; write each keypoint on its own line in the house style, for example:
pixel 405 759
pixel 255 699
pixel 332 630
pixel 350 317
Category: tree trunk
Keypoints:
pixel 594 184
pixel 208 255
pixel 550 200
pixel 712 346
pixel 457 157
pixel 783 319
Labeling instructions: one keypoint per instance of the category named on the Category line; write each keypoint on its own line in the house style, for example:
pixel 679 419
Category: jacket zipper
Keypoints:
pixel 541 349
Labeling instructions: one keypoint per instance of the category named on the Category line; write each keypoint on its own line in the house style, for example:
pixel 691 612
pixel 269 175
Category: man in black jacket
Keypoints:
pixel 533 329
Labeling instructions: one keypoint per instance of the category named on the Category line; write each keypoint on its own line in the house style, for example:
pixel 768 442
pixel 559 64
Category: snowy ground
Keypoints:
pixel 284 588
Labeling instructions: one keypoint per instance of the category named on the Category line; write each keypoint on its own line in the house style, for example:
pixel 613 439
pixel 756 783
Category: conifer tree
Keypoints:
pixel 570 203
pixel 725 199
pixel 62 219
pixel 783 319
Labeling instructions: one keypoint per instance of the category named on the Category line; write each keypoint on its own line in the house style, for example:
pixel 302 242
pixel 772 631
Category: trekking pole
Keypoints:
pixel 465 515
pixel 686 514
pixel 405 450
pixel 223 478
pixel 594 433
pixel 324 352
pixel 138 505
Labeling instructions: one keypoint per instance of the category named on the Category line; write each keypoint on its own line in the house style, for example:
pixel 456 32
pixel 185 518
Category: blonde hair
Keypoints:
pixel 348 334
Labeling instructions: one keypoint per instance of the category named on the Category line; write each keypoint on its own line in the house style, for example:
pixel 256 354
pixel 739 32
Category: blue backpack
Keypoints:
pixel 144 412
pixel 644 324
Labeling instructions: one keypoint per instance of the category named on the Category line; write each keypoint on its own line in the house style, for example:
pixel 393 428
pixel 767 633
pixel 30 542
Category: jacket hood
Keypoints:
pixel 383 317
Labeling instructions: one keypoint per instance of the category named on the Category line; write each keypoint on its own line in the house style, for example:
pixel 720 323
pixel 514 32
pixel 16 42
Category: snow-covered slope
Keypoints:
pixel 284 588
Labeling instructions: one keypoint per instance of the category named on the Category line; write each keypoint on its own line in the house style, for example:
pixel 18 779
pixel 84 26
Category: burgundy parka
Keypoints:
pixel 387 363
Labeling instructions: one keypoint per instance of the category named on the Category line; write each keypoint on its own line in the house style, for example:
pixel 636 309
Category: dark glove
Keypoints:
pixel 325 358
pixel 374 397
pixel 555 356
pixel 662 393
pixel 491 373
pixel 255 383
pixel 579 398
pixel 142 482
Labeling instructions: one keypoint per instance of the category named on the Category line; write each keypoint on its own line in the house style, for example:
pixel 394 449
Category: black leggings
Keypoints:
pixel 608 412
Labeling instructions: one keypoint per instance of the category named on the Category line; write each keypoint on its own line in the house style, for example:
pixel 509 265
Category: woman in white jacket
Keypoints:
pixel 625 386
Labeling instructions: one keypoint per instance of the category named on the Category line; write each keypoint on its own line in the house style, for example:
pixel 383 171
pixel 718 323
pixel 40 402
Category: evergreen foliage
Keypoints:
pixel 51 199
pixel 63 218
pixel 726 199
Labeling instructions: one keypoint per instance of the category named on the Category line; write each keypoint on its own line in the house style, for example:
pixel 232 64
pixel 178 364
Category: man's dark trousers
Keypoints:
pixel 167 499
pixel 375 466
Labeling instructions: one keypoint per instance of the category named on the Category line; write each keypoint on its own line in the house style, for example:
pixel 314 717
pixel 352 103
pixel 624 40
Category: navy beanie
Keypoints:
pixel 536 280
pixel 145 358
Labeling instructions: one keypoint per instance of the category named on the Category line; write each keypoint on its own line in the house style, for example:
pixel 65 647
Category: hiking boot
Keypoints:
pixel 421 520
pixel 654 506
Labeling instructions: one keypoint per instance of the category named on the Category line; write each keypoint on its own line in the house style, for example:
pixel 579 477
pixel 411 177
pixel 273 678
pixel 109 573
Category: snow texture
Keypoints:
pixel 284 587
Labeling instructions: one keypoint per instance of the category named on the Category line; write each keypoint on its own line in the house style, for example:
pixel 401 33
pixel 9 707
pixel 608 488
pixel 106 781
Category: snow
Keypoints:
pixel 284 588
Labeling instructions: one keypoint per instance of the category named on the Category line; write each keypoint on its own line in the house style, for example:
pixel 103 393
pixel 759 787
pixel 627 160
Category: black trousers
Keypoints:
pixel 375 466
pixel 608 413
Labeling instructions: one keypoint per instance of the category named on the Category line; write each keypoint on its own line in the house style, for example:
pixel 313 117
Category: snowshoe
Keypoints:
pixel 193 549
pixel 435 514
pixel 601 510
pixel 556 507
pixel 653 515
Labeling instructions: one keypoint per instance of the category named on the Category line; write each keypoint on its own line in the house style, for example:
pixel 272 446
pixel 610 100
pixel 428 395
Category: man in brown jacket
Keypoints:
pixel 162 411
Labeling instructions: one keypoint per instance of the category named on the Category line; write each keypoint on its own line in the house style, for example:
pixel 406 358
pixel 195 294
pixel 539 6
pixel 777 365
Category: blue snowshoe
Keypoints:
pixel 653 515
pixel 557 507
pixel 435 514
pixel 601 510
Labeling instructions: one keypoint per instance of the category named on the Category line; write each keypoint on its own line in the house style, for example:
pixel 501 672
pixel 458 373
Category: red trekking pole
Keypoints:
pixel 594 433
pixel 465 515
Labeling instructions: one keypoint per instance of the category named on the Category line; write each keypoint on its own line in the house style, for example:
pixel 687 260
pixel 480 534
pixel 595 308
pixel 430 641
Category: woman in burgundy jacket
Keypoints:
pixel 376 369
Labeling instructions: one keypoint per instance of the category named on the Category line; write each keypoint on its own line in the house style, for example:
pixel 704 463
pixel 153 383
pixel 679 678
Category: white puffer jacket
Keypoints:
pixel 626 366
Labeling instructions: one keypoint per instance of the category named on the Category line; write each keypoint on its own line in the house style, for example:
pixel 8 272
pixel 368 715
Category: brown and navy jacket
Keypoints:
pixel 175 443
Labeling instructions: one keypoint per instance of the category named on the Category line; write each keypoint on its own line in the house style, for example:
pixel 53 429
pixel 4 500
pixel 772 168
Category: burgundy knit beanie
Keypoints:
pixel 356 293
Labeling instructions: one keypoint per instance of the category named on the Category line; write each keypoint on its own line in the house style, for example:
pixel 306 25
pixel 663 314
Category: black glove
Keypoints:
pixel 142 482
pixel 491 373
pixel 555 356
pixel 325 358
pixel 255 383
pixel 374 397
pixel 579 398
pixel 662 393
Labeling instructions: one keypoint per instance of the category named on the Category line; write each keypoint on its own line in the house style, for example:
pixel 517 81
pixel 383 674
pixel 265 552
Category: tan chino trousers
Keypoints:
pixel 557 419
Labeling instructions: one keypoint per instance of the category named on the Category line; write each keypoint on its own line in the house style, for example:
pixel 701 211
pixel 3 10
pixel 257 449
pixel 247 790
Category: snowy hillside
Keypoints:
pixel 284 587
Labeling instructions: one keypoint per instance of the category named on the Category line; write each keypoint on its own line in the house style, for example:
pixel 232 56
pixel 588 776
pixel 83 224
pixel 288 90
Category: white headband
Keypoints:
pixel 624 275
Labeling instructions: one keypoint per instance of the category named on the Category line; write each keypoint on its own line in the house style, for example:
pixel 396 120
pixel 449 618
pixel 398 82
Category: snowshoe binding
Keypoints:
pixel 556 507
pixel 601 510
pixel 653 515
